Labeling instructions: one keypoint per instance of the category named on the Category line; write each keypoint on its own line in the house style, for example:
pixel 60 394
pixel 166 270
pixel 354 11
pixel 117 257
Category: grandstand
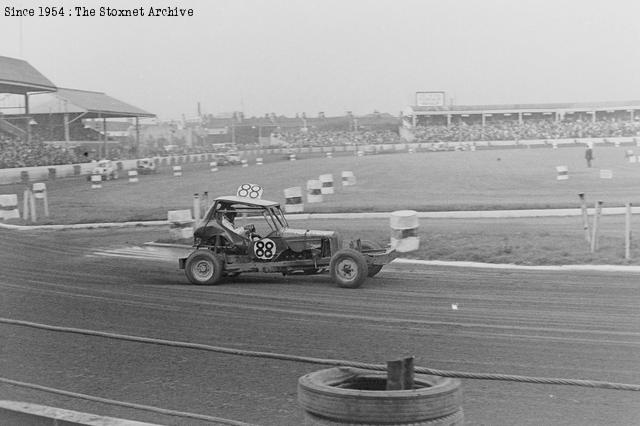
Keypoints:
pixel 18 77
pixel 71 117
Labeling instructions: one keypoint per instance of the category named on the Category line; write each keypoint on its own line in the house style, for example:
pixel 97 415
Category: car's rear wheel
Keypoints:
pixel 348 268
pixel 369 245
pixel 203 268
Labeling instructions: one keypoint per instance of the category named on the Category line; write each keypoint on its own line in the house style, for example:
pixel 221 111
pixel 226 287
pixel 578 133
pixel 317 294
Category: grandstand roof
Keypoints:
pixel 19 77
pixel 90 104
pixel 576 106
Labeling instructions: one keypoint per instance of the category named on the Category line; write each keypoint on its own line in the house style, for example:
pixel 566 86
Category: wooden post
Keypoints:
pixel 196 209
pixel 585 217
pixel 627 232
pixel 32 206
pixel 596 218
pixel 400 374
pixel 46 204
pixel 25 205
pixel 205 203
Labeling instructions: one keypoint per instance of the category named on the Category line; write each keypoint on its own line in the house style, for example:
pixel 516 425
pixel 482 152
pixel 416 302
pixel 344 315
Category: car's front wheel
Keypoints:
pixel 203 268
pixel 348 268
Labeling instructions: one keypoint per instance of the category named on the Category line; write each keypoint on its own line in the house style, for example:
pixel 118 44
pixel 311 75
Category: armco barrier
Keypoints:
pixel 24 413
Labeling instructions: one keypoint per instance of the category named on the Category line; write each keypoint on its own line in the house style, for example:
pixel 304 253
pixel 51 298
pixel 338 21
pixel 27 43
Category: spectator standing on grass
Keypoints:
pixel 588 155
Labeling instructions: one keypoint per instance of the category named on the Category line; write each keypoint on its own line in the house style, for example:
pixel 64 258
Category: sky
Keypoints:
pixel 294 56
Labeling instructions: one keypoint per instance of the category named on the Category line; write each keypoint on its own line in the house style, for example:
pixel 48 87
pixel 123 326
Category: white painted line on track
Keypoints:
pixel 599 268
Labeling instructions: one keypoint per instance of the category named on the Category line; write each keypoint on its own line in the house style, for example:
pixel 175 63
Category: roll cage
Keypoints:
pixel 271 213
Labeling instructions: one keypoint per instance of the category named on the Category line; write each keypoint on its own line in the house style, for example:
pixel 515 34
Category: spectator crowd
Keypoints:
pixel 312 137
pixel 15 152
pixel 527 130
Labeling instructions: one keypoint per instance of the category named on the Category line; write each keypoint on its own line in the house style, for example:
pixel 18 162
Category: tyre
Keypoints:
pixel 203 268
pixel 368 245
pixel 345 395
pixel 348 268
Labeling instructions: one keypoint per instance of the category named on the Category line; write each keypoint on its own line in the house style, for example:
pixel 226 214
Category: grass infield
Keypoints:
pixel 436 181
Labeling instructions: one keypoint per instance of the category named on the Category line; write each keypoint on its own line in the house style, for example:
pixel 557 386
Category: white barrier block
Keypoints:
pixel 292 157
pixel 293 200
pixel 39 190
pixel 96 181
pixel 244 163
pixel 180 224
pixel 314 191
pixel 177 171
pixel 348 178
pixel 606 174
pixel 563 172
pixel 327 184
pixel 404 231
pixel 329 155
pixel 214 166
pixel 133 176
pixel 9 206
pixel 259 161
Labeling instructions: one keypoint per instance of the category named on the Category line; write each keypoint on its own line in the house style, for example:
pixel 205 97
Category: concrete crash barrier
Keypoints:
pixel 293 200
pixel 177 171
pixel 314 191
pixel 24 413
pixel 327 184
pixel 352 396
pixel 96 181
pixel 133 176
pixel 9 206
pixel 244 163
pixel 292 157
pixel 404 231
pixel 40 190
pixel 563 172
pixel 329 155
pixel 348 178
pixel 213 166
pixel 259 161
pixel 180 224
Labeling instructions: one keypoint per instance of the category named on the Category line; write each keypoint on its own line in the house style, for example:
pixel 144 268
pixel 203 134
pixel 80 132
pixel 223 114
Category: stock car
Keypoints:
pixel 262 241
pixel 146 166
pixel 105 168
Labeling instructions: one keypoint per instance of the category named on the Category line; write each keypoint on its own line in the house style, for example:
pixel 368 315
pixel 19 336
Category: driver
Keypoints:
pixel 228 221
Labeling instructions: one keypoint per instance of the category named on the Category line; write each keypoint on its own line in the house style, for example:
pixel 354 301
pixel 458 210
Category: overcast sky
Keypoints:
pixel 288 56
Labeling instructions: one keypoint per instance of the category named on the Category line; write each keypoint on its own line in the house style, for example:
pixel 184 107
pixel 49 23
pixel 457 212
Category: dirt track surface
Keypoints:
pixel 546 324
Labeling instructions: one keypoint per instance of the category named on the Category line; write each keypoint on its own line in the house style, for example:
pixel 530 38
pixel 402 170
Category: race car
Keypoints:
pixel 244 233
pixel 146 166
pixel 105 168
